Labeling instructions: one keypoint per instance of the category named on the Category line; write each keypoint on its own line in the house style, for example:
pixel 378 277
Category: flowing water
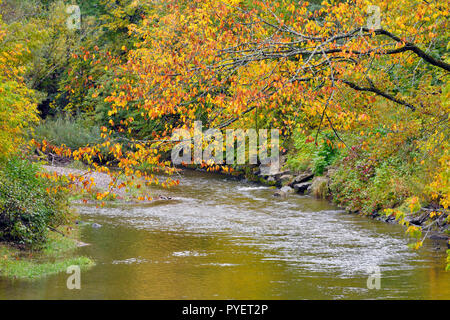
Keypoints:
pixel 222 239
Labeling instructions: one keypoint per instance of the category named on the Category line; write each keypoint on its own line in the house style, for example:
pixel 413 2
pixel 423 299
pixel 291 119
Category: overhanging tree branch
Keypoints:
pixel 378 92
pixel 412 47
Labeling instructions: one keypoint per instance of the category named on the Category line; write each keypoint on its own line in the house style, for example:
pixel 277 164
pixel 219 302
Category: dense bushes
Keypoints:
pixel 363 183
pixel 29 204
pixel 306 154
pixel 325 154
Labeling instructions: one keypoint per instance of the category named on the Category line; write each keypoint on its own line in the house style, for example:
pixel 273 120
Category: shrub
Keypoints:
pixel 325 154
pixel 306 154
pixel 367 185
pixel 27 205
pixel 301 156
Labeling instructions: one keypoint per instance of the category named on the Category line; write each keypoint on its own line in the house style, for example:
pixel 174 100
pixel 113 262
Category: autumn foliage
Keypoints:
pixel 370 95
pixel 279 65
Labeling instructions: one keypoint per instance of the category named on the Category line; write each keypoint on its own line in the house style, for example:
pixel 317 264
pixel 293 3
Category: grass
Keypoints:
pixel 71 132
pixel 55 257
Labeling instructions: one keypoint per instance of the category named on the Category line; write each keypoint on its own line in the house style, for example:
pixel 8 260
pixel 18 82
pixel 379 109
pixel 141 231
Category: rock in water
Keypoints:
pixel 302 187
pixel 283 192
pixel 303 177
pixel 96 225
pixel 287 190
pixel 280 194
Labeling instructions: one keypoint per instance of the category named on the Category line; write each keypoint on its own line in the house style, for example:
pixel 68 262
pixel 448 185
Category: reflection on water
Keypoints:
pixel 220 239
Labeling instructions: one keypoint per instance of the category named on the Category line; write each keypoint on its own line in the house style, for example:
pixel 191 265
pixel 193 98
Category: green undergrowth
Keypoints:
pixel 306 154
pixel 56 256
pixel 73 133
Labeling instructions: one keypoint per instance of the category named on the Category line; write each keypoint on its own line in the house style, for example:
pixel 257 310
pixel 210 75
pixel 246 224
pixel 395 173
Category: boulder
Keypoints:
pixel 420 219
pixel 286 179
pixel 302 187
pixel 303 177
pixel 438 236
pixel 390 220
pixel 287 189
pixel 280 194
pixel 283 192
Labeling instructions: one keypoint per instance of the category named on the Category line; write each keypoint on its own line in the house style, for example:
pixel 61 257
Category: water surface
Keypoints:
pixel 221 239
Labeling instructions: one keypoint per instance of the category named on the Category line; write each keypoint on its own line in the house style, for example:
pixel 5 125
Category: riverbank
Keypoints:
pixel 38 236
pixel 57 254
pixel 102 182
